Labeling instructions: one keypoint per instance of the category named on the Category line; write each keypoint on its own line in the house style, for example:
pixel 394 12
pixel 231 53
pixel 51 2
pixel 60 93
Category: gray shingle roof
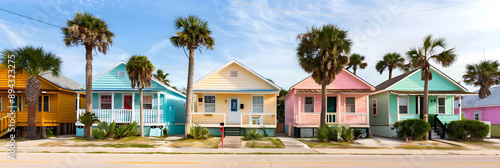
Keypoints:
pixel 390 82
pixel 475 101
pixel 62 81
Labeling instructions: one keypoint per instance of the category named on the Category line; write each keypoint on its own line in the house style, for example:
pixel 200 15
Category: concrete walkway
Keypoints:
pixel 290 142
pixel 231 142
pixel 466 146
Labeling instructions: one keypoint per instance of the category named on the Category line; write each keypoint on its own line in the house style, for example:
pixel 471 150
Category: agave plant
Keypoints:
pixel 199 132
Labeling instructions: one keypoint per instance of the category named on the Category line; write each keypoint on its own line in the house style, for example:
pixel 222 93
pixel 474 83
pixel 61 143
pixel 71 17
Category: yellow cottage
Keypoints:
pixel 56 108
pixel 236 96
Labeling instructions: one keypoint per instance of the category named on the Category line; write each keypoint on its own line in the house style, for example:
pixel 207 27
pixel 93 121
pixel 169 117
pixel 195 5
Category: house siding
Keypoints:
pixel 382 115
pixel 414 83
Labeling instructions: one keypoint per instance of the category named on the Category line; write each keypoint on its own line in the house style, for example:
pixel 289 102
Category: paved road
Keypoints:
pixel 233 160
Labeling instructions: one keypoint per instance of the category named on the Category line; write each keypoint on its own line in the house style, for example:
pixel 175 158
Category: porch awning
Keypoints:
pixel 401 92
pixel 334 90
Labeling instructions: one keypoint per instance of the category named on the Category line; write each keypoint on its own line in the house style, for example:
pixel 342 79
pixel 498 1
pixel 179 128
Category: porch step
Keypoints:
pixel 232 131
pixel 435 135
pixel 4 132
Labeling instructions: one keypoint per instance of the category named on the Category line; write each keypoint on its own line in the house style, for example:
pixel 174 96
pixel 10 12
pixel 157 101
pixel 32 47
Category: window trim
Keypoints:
pixel 100 102
pixel 20 103
pixel 478 112
pixel 215 95
pixel 124 74
pixel 407 105
pixel 263 103
pixel 437 103
pixel 376 107
pixel 345 105
pixel 313 104
pixel 42 103
pixel 152 101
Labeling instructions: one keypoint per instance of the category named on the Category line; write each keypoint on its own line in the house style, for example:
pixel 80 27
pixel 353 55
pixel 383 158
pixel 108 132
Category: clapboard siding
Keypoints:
pixel 414 83
pixel 222 80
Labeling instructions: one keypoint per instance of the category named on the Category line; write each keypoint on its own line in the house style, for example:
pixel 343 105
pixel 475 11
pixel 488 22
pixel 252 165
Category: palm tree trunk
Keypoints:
pixel 426 101
pixel 88 89
pixel 32 92
pixel 323 105
pixel 189 92
pixel 141 113
pixel 390 73
pixel 354 69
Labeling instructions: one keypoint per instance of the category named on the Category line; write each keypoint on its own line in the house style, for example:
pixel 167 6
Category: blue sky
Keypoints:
pixel 264 39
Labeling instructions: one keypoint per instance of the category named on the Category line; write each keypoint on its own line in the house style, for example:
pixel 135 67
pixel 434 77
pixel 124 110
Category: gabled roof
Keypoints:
pixel 61 81
pixel 391 82
pixel 244 67
pixel 348 72
pixel 475 101
pixel 124 63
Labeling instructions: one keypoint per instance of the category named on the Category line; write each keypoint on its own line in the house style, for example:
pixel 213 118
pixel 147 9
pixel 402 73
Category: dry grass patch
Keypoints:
pixel 127 142
pixel 427 145
pixel 341 145
pixel 53 144
pixel 484 144
pixel 265 143
pixel 204 143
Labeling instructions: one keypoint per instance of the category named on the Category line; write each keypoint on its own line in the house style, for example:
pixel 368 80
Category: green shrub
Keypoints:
pixel 431 119
pixel 356 133
pixel 252 134
pixel 347 134
pixel 165 132
pixel 198 132
pixel 263 129
pixel 334 133
pixel 126 130
pixel 88 118
pixel 50 133
pixel 109 128
pixel 99 133
pixel 412 129
pixel 468 129
pixel 321 133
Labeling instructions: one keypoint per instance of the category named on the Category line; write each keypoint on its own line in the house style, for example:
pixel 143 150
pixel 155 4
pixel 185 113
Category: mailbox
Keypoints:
pixel 222 133
pixel 242 106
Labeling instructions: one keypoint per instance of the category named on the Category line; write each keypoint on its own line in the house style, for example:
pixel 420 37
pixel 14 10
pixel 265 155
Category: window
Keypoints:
pixel 374 107
pixel 350 104
pixel 0 103
pixel 477 115
pixel 148 101
pixel 121 74
pixel 441 105
pixel 258 104
pixel 20 107
pixel 209 104
pixel 234 73
pixel 43 103
pixel 403 105
pixel 14 103
pixel 309 104
pixel 105 101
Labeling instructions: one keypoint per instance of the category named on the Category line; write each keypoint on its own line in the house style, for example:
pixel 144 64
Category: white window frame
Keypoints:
pixel 152 100
pixel 345 105
pixel 407 105
pixel 477 112
pixel 313 104
pixel 437 103
pixel 214 103
pixel 374 108
pixel 263 103
pixel 124 74
pixel 105 94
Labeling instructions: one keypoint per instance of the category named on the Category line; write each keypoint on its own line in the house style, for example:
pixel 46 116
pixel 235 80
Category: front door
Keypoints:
pixel 420 108
pixel 127 102
pixel 233 116
pixel 331 107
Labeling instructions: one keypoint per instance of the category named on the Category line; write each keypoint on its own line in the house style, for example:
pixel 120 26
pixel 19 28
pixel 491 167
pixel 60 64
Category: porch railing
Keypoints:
pixel 353 118
pixel 258 119
pixel 314 118
pixel 125 115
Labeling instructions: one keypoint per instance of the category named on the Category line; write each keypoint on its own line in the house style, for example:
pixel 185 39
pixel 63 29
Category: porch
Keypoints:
pixel 126 115
pixel 314 118
pixel 247 120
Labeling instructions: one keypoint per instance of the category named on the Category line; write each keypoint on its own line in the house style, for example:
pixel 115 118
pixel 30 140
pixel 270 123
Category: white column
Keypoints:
pixel 133 107
pixel 338 109
pixel 368 109
pixel 460 107
pixel 112 106
pixel 158 107
pixel 77 106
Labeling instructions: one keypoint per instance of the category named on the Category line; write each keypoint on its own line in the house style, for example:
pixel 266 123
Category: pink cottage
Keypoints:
pixel 347 104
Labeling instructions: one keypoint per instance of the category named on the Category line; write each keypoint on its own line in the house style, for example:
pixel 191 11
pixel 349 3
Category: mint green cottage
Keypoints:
pixel 401 98
pixel 113 99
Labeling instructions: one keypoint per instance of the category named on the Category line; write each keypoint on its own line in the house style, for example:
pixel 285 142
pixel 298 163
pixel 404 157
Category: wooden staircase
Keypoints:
pixel 4 123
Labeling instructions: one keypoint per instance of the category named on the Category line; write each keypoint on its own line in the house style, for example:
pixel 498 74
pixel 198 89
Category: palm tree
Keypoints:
pixel 356 60
pixel 162 77
pixel 323 52
pixel 419 59
pixel 140 71
pixel 484 74
pixel 93 33
pixel 35 62
pixel 193 33
pixel 390 61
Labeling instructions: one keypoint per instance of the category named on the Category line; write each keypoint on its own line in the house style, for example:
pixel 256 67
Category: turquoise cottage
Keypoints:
pixel 113 99
pixel 401 98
